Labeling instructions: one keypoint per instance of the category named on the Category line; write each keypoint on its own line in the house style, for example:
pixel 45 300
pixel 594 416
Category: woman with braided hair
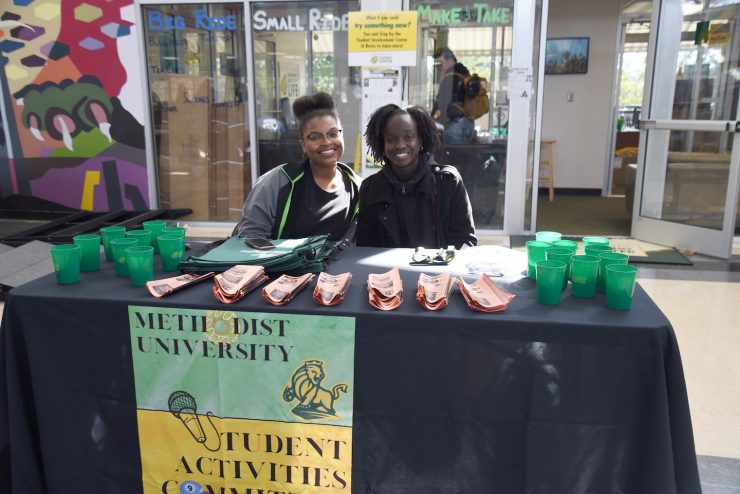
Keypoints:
pixel 413 201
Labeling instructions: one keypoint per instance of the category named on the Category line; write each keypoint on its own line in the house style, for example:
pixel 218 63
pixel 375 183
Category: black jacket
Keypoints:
pixel 431 210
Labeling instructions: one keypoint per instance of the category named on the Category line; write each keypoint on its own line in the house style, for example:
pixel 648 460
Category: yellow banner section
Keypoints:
pixel 382 31
pixel 205 454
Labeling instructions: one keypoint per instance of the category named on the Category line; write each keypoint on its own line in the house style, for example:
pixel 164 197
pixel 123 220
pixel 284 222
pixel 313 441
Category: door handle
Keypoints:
pixel 699 125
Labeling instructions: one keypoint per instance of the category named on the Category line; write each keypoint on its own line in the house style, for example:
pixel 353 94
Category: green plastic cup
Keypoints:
pixel 620 286
pixel 180 230
pixel 608 259
pixel 171 251
pixel 535 252
pixel 595 250
pixel 66 259
pixel 595 241
pixel 571 245
pixel 108 233
pixel 140 264
pixel 89 251
pixel 143 237
pixel 550 275
pixel 156 227
pixel 118 248
pixel 563 255
pixel 584 274
pixel 547 236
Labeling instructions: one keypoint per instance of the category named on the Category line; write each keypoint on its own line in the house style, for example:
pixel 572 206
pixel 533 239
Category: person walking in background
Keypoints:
pixel 448 107
pixel 413 201
pixel 315 196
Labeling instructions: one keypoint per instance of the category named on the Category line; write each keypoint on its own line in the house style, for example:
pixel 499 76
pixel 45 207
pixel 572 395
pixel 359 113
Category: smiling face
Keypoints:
pixel 322 150
pixel 402 144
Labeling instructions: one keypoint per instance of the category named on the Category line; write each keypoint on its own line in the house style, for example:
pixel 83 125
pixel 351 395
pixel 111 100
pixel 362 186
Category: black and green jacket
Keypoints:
pixel 276 195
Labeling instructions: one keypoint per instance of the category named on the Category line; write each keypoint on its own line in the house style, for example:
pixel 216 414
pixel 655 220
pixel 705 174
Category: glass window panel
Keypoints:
pixel 301 48
pixel 481 41
pixel 695 182
pixel 197 83
pixel 706 61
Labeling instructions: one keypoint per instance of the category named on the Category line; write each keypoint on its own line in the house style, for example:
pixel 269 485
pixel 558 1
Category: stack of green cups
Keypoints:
pixel 563 255
pixel 143 237
pixel 109 233
pixel 584 274
pixel 66 259
pixel 535 252
pixel 155 227
pixel 171 250
pixel 608 259
pixel 181 230
pixel 595 241
pixel 595 250
pixel 620 286
pixel 118 248
pixel 550 275
pixel 140 264
pixel 89 251
pixel 571 245
pixel 547 236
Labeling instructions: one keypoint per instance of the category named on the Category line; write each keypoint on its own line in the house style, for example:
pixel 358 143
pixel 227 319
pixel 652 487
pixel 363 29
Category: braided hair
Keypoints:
pixel 426 129
pixel 309 107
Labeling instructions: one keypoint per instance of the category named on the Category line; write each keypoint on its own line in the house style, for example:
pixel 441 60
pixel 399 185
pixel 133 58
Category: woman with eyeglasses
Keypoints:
pixel 315 196
pixel 413 201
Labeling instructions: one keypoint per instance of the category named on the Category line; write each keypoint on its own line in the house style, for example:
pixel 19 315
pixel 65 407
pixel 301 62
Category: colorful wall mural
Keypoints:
pixel 72 102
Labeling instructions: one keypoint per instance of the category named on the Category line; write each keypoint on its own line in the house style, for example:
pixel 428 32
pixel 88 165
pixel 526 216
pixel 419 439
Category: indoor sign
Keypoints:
pixel 316 21
pixel 478 13
pixel 158 21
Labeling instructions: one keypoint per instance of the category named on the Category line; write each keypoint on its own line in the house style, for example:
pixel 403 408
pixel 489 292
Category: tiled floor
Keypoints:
pixel 703 304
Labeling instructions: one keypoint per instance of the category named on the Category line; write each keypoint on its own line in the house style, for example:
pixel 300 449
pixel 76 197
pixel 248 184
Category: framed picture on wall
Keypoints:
pixel 566 56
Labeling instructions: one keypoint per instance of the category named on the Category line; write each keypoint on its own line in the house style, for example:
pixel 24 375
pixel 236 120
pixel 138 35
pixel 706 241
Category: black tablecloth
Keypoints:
pixel 573 398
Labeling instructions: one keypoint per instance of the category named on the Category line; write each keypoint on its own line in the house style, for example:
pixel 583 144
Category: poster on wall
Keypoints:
pixel 380 86
pixel 382 39
pixel 243 402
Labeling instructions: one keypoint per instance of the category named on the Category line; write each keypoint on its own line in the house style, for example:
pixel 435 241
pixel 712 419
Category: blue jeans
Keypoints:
pixel 458 131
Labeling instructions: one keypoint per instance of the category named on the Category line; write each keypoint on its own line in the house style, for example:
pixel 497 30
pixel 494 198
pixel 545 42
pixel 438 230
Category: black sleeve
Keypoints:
pixel 367 224
pixel 461 230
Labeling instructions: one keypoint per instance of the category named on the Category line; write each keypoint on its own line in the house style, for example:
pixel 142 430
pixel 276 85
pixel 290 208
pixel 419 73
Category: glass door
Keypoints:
pixel 196 64
pixel 488 40
pixel 687 184
pixel 300 48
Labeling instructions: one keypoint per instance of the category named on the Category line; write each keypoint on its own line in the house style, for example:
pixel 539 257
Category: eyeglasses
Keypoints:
pixel 332 135
pixel 441 256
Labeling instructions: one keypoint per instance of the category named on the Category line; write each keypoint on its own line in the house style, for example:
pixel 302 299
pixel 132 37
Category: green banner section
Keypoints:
pixel 262 366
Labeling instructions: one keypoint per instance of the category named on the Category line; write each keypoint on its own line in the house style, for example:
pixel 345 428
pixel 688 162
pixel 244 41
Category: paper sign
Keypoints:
pixel 520 83
pixel 382 39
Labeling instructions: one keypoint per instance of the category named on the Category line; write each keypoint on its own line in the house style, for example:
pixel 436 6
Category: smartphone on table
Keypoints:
pixel 259 243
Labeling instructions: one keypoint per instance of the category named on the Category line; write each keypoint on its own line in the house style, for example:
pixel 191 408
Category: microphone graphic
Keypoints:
pixel 182 405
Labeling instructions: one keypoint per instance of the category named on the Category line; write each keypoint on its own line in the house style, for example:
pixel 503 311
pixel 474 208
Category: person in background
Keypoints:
pixel 315 196
pixel 412 201
pixel 450 101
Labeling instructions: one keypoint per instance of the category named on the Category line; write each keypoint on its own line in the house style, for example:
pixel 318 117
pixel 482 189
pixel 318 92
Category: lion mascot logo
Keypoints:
pixel 314 401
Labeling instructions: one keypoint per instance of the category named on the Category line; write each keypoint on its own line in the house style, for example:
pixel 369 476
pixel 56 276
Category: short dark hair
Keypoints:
pixel 308 107
pixel 444 52
pixel 426 129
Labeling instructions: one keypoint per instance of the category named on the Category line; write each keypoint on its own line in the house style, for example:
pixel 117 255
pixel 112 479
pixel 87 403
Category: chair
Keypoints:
pixel 546 166
pixel 546 175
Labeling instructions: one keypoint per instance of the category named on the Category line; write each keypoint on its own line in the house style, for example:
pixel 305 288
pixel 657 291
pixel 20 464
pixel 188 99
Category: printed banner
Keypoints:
pixel 243 402
pixel 385 39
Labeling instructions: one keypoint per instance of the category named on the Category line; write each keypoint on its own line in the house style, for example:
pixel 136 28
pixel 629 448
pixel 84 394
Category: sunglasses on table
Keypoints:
pixel 421 256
